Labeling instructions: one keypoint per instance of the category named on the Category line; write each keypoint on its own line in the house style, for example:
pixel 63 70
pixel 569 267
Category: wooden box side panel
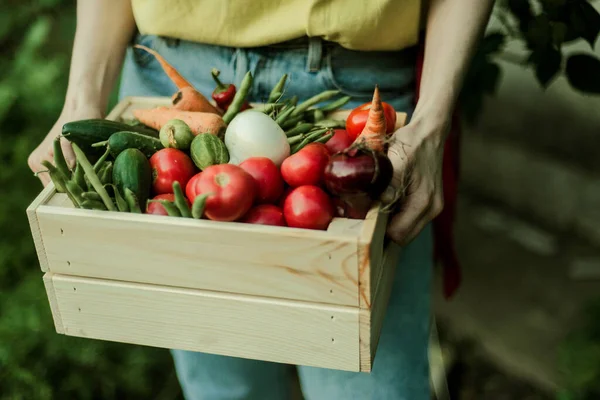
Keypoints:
pixel 234 258
pixel 371 320
pixel 34 224
pixel 240 326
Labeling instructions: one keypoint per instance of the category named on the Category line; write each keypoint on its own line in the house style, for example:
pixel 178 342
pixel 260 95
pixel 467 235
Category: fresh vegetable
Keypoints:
pixel 79 176
pixel 357 119
pixel 93 178
pixel 207 150
pixel 168 166
pixel 180 201
pixel 265 214
pixel 57 180
pixel 190 187
pixel 170 207
pixel 374 134
pixel 75 191
pixel 132 201
pixel 340 141
pixel 267 177
pixel 120 200
pixel 199 122
pixel 309 138
pixel 254 134
pixel 59 159
pixel 336 104
pixel 199 205
pixel 223 94
pixel 105 173
pixel 308 207
pixel 100 162
pixel 324 96
pixel 156 207
pixel 188 98
pixel 299 129
pixel 93 205
pixel 277 91
pixel 91 196
pixel 120 141
pixel 305 167
pixel 87 132
pixel 131 171
pixel 239 99
pixel 232 192
pixel 176 134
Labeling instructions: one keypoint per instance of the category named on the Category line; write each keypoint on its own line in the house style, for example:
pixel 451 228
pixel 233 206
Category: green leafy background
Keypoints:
pixel 35 44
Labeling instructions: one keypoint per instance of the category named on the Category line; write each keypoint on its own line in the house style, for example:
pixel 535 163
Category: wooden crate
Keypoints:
pixel 278 294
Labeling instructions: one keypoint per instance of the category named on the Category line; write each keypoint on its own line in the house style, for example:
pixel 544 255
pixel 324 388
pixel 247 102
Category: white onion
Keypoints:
pixel 253 133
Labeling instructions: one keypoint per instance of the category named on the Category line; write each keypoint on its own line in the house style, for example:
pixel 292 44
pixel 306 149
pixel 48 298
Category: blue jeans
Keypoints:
pixel 401 369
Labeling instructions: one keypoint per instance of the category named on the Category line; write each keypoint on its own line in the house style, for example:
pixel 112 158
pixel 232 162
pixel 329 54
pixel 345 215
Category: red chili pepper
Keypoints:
pixel 223 94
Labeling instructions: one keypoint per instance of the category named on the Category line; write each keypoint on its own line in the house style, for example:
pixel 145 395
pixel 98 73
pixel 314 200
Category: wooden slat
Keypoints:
pixel 370 254
pixel 51 294
pixel 371 320
pixel 230 257
pixel 235 325
pixel 34 225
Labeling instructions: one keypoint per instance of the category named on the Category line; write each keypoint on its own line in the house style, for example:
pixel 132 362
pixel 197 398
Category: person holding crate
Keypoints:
pixel 346 45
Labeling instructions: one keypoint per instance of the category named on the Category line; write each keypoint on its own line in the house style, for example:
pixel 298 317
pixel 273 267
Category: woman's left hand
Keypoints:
pixel 416 152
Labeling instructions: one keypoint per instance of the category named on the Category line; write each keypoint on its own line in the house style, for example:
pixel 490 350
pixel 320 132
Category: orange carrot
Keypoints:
pixel 189 99
pixel 171 72
pixel 199 122
pixel 373 134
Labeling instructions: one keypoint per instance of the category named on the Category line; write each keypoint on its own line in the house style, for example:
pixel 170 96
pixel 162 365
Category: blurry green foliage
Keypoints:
pixel 35 362
pixel 543 26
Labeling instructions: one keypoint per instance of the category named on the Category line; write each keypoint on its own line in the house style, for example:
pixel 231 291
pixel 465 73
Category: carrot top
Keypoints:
pixel 171 72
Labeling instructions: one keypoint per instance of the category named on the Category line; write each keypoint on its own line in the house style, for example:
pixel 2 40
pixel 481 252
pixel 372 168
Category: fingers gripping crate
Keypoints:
pixel 271 293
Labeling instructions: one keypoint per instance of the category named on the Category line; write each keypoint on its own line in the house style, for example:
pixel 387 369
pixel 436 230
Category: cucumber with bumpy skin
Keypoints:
pixel 120 141
pixel 131 170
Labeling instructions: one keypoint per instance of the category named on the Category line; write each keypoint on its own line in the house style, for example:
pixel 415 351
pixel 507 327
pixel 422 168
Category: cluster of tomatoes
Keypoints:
pixel 257 191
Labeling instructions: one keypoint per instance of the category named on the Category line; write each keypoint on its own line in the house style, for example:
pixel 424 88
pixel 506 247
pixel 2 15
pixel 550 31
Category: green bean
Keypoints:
pixel 269 107
pixel 295 139
pixel 239 98
pixel 331 123
pixel 105 173
pixel 281 117
pixel 121 203
pixel 302 128
pixel 94 180
pixel 292 121
pixel 79 176
pixel 75 191
pixel 100 162
pixel 169 206
pixel 180 201
pixel 294 100
pixel 93 205
pixel 278 89
pixel 91 196
pixel 319 115
pixel 311 137
pixel 324 139
pixel 334 105
pixel 198 206
pixel 132 201
pixel 57 179
pixel 305 105
pixel 59 160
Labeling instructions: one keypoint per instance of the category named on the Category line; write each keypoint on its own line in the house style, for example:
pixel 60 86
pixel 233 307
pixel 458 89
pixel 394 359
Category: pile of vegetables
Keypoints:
pixel 282 163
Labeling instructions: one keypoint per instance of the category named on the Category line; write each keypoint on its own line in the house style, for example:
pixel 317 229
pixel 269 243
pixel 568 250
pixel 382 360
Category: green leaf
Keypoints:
pixel 559 33
pixel 522 11
pixel 492 43
pixel 547 64
pixel 554 8
pixel 539 32
pixel 583 73
pixel 585 21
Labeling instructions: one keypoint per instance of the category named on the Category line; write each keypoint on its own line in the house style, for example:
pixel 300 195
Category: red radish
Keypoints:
pixel 265 214
pixel 170 165
pixel 157 208
pixel 340 141
pixel 231 192
pixel 308 207
pixel 267 176
pixel 306 166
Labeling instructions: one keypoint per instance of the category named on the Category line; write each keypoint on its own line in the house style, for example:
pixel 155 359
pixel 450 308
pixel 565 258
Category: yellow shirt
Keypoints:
pixel 354 24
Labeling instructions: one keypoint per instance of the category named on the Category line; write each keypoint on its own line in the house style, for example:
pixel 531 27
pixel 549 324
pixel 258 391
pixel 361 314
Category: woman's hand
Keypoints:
pixel 416 152
pixel 45 149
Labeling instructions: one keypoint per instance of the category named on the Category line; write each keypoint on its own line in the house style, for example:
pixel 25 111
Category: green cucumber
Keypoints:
pixel 207 149
pixel 122 140
pixel 131 170
pixel 84 133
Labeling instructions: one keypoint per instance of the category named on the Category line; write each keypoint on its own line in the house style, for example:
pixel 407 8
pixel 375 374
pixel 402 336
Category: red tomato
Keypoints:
pixel 231 191
pixel 190 188
pixel 308 207
pixel 170 165
pixel 357 119
pixel 265 214
pixel 306 166
pixel 339 141
pixel 267 177
pixel 157 208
